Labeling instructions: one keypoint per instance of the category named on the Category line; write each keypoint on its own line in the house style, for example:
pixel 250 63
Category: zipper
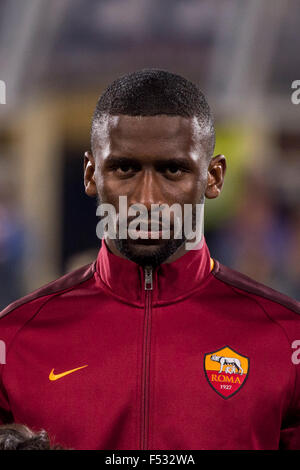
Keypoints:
pixel 148 278
pixel 148 287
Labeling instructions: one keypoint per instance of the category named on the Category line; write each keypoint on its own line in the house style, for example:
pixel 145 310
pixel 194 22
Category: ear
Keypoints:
pixel 89 174
pixel 216 173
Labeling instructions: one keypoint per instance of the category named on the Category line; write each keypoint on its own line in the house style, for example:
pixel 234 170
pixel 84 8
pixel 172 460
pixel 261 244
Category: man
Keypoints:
pixel 154 346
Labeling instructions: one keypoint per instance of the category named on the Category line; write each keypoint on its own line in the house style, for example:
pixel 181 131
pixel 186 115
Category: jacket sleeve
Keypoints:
pixel 5 412
pixel 290 429
pixel 12 320
pixel 9 326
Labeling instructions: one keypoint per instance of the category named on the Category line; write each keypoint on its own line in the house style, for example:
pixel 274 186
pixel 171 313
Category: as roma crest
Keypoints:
pixel 226 371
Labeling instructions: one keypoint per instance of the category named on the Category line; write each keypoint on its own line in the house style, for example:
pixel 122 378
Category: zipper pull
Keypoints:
pixel 148 278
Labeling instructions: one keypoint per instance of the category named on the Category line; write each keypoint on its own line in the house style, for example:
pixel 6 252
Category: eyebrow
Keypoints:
pixel 118 160
pixel 184 162
pixel 179 161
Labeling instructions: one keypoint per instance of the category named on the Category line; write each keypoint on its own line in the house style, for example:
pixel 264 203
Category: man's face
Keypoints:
pixel 151 160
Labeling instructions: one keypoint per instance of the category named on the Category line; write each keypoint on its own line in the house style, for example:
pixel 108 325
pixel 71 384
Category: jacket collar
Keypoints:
pixel 171 281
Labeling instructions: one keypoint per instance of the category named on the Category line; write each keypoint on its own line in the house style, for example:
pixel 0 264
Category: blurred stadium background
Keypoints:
pixel 57 57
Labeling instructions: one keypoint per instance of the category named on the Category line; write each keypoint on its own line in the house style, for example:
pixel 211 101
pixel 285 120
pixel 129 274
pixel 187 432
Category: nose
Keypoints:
pixel 147 190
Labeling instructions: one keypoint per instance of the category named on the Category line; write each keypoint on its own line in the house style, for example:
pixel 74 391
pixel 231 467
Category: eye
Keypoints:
pixel 173 171
pixel 123 169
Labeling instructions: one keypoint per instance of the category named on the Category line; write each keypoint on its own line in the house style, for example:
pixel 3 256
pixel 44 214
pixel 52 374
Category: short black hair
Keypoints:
pixel 151 92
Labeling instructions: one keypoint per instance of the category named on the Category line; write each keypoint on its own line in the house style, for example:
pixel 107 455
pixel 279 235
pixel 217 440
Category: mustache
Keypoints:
pixel 145 224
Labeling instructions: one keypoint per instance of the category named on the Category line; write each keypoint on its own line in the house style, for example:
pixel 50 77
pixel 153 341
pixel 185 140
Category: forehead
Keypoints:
pixel 147 135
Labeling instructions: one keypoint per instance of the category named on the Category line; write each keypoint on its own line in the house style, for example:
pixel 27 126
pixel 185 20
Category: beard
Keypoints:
pixel 145 257
pixel 155 253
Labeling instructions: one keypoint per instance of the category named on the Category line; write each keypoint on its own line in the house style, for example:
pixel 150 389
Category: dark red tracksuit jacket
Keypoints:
pixel 194 358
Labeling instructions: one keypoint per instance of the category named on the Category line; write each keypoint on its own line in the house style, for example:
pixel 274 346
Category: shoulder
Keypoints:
pixel 268 298
pixel 34 300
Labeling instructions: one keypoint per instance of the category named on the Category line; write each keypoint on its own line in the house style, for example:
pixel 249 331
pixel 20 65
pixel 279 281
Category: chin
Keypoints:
pixel 146 252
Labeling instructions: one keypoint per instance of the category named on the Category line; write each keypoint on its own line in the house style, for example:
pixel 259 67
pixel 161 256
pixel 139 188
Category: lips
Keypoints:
pixel 144 224
pixel 141 231
pixel 144 234
pixel 150 233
